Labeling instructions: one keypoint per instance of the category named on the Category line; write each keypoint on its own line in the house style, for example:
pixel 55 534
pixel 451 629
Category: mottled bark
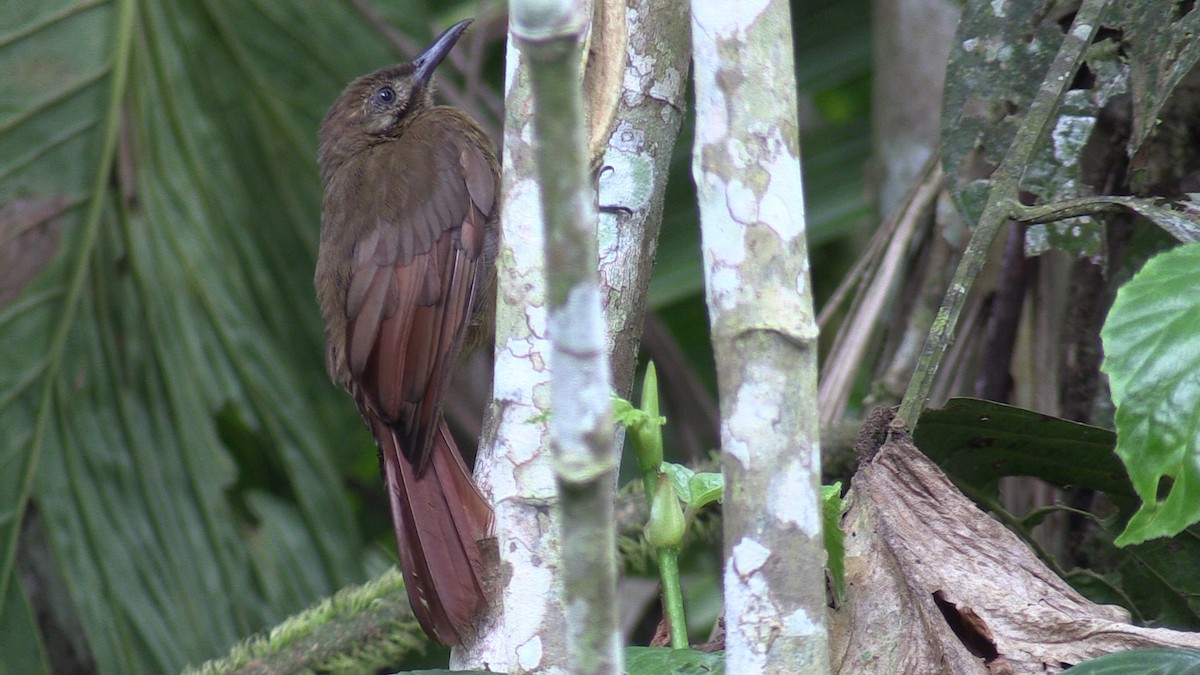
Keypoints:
pixel 746 165
pixel 526 630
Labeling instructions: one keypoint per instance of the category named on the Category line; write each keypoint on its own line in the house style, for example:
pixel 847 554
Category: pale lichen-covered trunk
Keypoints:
pixel 523 629
pixel 634 170
pixel 746 166
pixel 551 39
pixel 527 628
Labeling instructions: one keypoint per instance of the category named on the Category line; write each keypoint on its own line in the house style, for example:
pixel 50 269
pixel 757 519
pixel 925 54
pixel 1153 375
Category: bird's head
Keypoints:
pixel 376 107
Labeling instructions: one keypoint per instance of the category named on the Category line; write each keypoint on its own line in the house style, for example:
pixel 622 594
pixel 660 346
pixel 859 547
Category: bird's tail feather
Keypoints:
pixel 440 519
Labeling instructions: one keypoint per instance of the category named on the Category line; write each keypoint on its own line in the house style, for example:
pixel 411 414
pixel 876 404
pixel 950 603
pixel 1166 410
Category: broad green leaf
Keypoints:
pixel 832 505
pixel 705 487
pixel 1103 590
pixel 20 645
pixel 681 480
pixel 1143 662
pixel 1161 578
pixel 1152 355
pixel 978 442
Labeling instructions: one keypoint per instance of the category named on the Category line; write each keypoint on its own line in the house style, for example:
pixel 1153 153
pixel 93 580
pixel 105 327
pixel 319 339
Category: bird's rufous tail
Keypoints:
pixel 440 519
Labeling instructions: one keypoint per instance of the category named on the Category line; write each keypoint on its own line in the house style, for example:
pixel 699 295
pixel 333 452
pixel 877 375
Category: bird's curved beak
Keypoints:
pixel 429 59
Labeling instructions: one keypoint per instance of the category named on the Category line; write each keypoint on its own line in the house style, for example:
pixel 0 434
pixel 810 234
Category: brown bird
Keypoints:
pixel 405 279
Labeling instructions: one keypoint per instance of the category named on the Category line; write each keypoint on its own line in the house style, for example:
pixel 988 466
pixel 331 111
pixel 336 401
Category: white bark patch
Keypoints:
pixel 741 202
pixel 535 321
pixel 723 286
pixel 799 623
pixel 529 654
pixel 787 499
pixel 522 386
pixel 739 156
pixel 723 236
pixel 724 20
pixel 747 598
pixel 782 206
pixel 1070 133
pixel 518 381
pixel 755 412
pixel 748 557
pixel 666 87
pixel 525 243
pixel 625 138
pixel 712 110
pixel 579 334
pixel 723 244
pixel 580 386
pixel 512 59
pixel 641 68
pixel 802 282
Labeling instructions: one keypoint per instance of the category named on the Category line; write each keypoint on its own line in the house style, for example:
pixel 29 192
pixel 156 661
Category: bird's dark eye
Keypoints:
pixel 385 95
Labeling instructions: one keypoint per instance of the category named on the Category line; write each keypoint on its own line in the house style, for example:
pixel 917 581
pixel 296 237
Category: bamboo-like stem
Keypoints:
pixel 1002 204
pixel 746 165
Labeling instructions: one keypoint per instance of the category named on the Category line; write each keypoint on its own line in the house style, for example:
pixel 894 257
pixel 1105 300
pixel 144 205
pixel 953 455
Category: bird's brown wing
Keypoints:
pixel 413 277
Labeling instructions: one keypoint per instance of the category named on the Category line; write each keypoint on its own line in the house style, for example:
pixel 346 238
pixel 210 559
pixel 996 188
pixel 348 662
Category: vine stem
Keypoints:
pixel 1002 204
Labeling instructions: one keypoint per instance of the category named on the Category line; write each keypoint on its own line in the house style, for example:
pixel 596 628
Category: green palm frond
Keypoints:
pixel 164 414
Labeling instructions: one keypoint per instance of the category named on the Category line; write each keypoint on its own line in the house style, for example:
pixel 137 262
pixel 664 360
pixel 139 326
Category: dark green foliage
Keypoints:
pixel 1143 662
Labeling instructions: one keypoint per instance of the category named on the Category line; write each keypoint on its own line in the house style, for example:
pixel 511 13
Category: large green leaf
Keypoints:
pixel 1152 356
pixel 665 661
pixel 1143 661
pixel 162 394
pixel 978 442
pixel 1161 579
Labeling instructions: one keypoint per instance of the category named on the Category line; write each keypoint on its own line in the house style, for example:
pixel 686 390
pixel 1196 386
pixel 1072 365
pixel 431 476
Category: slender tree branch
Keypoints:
pixel 581 426
pixel 633 171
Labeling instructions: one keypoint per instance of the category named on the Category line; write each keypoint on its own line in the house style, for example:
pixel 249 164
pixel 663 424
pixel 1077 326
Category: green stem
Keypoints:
pixel 668 567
